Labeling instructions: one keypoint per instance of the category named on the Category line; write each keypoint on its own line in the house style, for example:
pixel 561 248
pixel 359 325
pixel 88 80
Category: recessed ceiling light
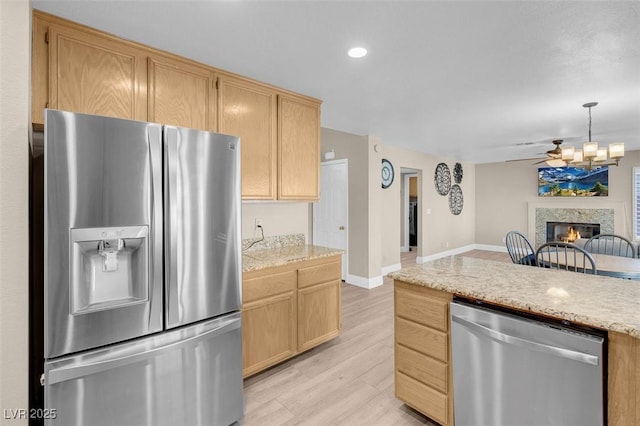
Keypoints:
pixel 357 52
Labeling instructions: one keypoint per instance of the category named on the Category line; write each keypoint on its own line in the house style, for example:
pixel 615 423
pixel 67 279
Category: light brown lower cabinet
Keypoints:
pixel 289 309
pixel 423 374
pixel 623 398
pixel 268 320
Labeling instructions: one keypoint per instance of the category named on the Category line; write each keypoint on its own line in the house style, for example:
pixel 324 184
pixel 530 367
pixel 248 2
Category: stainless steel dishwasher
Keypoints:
pixel 515 371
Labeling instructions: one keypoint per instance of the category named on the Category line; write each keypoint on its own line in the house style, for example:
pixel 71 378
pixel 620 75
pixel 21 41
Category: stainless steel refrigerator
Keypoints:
pixel 142 274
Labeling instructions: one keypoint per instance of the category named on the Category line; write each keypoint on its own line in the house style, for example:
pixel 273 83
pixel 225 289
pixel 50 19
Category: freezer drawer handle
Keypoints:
pixel 516 341
pixel 73 372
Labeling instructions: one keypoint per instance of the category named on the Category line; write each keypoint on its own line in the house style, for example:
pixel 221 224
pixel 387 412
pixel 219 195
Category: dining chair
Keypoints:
pixel 567 256
pixel 520 249
pixel 611 244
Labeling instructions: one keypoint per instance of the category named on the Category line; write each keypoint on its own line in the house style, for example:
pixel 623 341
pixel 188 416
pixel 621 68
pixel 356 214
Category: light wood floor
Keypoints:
pixel 347 381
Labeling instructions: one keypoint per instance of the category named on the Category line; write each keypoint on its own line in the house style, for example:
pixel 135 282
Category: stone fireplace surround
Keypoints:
pixel 609 217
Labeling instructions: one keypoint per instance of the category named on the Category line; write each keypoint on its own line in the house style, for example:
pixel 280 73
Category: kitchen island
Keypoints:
pixel 422 296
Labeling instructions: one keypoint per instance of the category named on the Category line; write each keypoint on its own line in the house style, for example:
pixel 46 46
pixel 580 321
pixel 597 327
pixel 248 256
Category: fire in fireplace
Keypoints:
pixel 570 232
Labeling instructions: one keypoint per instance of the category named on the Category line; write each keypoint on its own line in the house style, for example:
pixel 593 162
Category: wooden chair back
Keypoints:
pixel 520 249
pixel 611 244
pixel 567 256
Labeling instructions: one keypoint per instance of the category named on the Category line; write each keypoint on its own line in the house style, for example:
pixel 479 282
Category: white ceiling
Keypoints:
pixel 469 80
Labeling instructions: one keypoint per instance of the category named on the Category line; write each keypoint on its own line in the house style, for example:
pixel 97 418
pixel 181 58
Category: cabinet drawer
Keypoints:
pixel 318 274
pixel 422 398
pixel 270 285
pixel 422 368
pixel 422 339
pixel 424 310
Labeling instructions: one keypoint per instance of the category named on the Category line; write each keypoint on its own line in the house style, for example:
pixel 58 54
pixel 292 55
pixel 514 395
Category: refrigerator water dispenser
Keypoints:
pixel 109 268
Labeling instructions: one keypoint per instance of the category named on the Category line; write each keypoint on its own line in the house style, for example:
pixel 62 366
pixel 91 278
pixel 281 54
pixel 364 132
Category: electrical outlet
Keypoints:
pixel 257 229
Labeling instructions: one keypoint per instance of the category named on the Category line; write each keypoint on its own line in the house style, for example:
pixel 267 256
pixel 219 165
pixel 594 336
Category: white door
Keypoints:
pixel 331 213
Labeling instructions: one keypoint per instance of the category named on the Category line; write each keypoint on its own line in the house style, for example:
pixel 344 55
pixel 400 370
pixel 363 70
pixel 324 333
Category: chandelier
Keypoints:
pixel 591 155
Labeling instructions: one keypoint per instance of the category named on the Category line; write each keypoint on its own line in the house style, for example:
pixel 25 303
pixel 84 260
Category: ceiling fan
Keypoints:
pixel 553 155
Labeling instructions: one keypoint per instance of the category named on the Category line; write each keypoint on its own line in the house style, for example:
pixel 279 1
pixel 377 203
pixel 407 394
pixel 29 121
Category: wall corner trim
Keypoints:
pixel 391 268
pixel 363 282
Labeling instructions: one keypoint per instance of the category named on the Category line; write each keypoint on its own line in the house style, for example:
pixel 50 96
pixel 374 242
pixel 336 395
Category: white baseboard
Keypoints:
pixel 458 250
pixel 501 249
pixel 404 249
pixel 363 282
pixel 391 268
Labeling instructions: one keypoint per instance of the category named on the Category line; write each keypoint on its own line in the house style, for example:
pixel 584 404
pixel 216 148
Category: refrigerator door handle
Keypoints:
pixel 528 344
pixel 171 226
pixel 154 139
pixel 57 375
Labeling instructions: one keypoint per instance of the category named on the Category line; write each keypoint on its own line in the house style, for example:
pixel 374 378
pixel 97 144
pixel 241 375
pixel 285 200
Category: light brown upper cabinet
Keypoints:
pixel 181 94
pixel 80 69
pixel 298 148
pixel 279 136
pixel 95 74
pixel 248 110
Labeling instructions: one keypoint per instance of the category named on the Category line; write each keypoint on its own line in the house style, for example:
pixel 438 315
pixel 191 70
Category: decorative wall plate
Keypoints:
pixel 442 179
pixel 387 173
pixel 456 200
pixel 457 173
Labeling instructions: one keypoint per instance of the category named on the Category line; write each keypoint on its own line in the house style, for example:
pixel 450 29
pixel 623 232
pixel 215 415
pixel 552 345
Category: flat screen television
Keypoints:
pixel 573 182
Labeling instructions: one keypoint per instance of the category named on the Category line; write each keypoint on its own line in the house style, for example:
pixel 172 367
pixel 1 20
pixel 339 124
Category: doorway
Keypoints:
pixel 410 210
pixel 410 213
pixel 331 213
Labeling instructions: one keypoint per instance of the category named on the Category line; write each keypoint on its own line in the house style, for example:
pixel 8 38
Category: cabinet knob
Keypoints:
pixel 341 228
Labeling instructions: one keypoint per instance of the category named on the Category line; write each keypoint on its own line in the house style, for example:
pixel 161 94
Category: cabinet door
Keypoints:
pixel 298 148
pixel 318 314
pixel 95 74
pixel 248 110
pixel 268 332
pixel 181 94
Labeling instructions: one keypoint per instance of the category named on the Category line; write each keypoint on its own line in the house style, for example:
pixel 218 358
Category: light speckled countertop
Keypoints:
pixel 602 302
pixel 255 260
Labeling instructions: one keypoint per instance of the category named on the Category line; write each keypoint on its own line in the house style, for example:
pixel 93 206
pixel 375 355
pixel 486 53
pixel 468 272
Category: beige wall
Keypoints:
pixel 14 157
pixel 356 149
pixel 504 190
pixel 375 214
pixel 278 218
pixel 438 231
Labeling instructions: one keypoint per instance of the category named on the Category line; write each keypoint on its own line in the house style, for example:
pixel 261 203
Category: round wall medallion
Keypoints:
pixel 387 173
pixel 457 173
pixel 442 179
pixel 455 199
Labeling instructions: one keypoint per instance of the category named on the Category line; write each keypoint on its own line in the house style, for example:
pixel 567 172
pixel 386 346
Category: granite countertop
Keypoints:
pixel 255 260
pixel 603 302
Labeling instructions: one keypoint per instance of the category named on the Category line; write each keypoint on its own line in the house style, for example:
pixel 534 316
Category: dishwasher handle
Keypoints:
pixel 528 344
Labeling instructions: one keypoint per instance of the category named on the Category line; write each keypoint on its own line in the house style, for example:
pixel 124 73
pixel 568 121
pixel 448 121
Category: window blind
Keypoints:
pixel 636 202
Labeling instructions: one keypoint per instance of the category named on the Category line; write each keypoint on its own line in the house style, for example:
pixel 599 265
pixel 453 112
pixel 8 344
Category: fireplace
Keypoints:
pixel 542 212
pixel 570 232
